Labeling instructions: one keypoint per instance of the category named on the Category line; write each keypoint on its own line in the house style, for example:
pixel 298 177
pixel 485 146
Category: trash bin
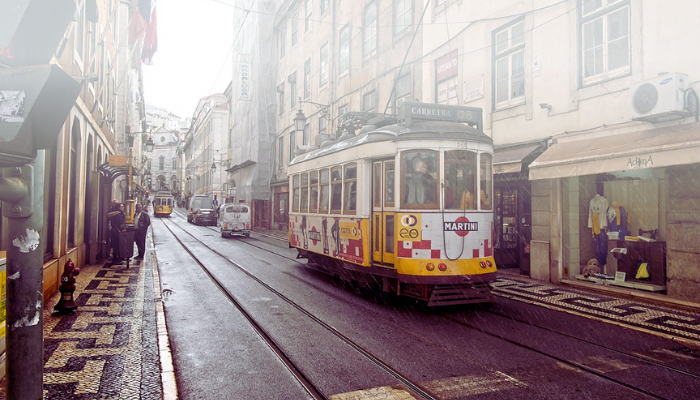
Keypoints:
pixel 126 242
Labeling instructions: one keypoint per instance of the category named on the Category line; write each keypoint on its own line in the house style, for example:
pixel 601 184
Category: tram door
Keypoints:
pixel 383 211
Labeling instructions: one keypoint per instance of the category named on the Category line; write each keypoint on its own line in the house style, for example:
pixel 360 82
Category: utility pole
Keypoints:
pixel 37 98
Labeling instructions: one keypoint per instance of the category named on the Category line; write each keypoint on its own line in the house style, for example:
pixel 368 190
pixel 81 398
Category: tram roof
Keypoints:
pixel 433 130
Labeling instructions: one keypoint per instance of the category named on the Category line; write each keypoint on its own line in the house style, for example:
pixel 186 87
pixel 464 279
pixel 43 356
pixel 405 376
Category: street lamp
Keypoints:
pixel 300 118
pixel 149 145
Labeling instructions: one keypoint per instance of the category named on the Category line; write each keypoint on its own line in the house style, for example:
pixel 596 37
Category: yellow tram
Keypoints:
pixel 163 204
pixel 405 202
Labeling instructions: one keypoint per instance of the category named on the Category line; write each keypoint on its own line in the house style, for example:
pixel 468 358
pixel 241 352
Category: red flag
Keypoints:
pixel 150 44
pixel 137 27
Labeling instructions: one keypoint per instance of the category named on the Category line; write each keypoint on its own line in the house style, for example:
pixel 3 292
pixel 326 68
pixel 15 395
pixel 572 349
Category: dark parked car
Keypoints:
pixel 205 216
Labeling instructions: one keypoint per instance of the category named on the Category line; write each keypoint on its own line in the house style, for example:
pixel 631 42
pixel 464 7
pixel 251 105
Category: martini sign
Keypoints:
pixel 461 226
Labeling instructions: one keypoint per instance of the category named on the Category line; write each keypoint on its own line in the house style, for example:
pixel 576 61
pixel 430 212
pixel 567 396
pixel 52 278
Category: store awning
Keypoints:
pixel 111 172
pixel 509 159
pixel 654 148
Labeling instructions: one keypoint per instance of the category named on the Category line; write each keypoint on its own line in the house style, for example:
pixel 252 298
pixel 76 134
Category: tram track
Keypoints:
pixel 297 372
pixel 416 387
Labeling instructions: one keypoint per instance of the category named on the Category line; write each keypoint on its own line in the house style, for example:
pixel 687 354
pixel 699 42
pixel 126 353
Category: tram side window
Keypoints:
pixel 420 178
pixel 350 203
pixel 313 191
pixel 460 180
pixel 389 184
pixel 336 189
pixel 295 193
pixel 486 174
pixel 377 184
pixel 304 192
pixel 325 192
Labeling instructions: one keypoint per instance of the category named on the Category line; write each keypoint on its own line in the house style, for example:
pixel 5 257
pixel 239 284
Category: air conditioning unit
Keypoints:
pixel 659 99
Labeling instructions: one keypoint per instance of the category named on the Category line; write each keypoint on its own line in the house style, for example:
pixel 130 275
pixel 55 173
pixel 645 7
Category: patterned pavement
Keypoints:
pixel 665 321
pixel 109 348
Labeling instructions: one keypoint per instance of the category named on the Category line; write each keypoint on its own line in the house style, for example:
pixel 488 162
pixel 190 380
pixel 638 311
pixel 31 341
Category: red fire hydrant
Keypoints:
pixel 66 304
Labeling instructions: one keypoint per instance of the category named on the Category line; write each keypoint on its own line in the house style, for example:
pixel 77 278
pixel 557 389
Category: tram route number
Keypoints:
pixel 406 233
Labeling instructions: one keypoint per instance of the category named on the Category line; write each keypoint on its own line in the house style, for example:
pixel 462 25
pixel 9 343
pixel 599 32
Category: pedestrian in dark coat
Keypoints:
pixel 141 222
pixel 117 221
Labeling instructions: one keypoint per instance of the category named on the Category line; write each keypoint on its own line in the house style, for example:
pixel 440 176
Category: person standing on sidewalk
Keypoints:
pixel 142 221
pixel 117 221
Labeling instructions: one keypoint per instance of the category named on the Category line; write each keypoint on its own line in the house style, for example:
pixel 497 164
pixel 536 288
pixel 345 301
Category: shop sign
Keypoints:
pixel 640 162
pixel 245 78
pixel 446 66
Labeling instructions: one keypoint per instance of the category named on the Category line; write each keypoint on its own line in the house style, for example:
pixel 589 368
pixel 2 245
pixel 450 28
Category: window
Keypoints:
pixel 605 44
pixel 350 184
pixel 389 184
pixel 325 192
pixel 403 15
pixel 369 101
pixel 280 152
pixel 304 192
pixel 324 6
pixel 292 145
pixel 343 109
pixel 404 86
pixel 369 32
pixel 161 162
pixel 344 52
pixel 292 79
pixel 323 73
pixel 322 126
pixel 295 29
pixel 280 102
pixel 460 180
pixel 486 174
pixel 307 78
pixel 336 189
pixel 309 14
pixel 313 191
pixel 296 192
pixel 509 64
pixel 283 40
pixel 420 179
pixel 305 135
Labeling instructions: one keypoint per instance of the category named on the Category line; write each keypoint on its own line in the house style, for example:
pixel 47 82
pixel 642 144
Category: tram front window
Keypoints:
pixel 460 180
pixel 420 179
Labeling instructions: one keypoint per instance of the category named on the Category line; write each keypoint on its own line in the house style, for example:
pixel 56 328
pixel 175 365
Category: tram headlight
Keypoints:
pixel 442 267
pixel 430 266
pixel 489 263
pixel 482 264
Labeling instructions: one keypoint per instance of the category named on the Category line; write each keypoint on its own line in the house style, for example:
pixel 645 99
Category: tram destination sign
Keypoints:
pixel 438 112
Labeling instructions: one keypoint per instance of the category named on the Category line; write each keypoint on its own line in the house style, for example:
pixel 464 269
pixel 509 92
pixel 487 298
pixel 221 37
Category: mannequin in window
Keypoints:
pixel 598 222
pixel 421 186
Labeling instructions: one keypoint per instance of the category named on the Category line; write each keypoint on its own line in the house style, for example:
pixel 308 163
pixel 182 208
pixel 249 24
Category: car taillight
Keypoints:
pixel 442 267
pixel 430 266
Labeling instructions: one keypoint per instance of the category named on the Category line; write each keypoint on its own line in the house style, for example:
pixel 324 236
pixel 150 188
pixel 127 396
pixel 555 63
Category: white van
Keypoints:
pixel 197 202
pixel 234 219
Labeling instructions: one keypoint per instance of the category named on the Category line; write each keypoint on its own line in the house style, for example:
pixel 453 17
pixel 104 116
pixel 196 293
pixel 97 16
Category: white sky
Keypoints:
pixel 193 59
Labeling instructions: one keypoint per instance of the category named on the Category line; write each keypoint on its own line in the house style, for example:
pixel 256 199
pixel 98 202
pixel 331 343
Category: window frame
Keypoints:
pixel 323 65
pixel 324 182
pixel 405 8
pixel 314 191
pixel 513 54
pixel 350 196
pixel 369 31
pixel 307 78
pixel 344 41
pixel 309 12
pixel 333 184
pixel 602 14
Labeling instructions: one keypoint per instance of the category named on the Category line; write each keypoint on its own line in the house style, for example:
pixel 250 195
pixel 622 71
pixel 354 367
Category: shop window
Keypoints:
pixel 460 180
pixel 313 191
pixel 350 183
pixel 420 179
pixel 486 183
pixel 296 192
pixel 336 189
pixel 305 192
pixel 325 191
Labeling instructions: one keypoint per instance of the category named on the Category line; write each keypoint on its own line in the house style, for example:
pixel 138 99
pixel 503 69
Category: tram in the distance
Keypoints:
pixel 163 204
pixel 406 203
